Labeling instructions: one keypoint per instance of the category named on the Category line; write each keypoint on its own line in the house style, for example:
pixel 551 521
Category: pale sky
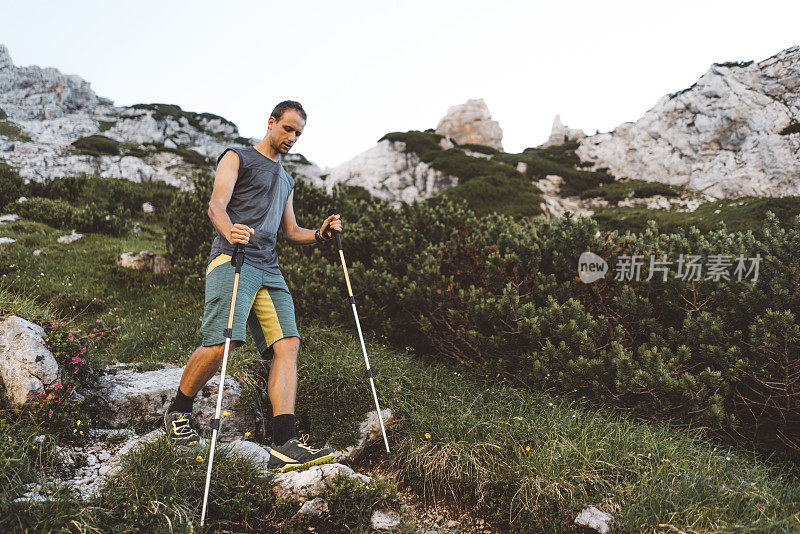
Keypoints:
pixel 362 69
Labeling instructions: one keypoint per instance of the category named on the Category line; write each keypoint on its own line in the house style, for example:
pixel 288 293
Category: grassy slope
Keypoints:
pixel 524 460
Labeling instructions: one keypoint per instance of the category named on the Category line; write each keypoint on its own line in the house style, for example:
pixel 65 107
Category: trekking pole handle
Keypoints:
pixel 337 233
pixel 238 256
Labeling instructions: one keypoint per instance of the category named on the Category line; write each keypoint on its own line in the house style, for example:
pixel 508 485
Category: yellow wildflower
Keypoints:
pixel 427 435
pixel 79 422
pixel 199 458
pixel 226 413
pixel 247 434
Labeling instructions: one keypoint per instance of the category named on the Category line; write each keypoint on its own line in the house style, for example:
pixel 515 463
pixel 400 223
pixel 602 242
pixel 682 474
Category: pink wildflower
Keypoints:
pixel 50 414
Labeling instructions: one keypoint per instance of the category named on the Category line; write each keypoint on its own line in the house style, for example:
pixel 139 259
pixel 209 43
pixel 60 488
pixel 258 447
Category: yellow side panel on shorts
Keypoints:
pixel 216 262
pixel 264 309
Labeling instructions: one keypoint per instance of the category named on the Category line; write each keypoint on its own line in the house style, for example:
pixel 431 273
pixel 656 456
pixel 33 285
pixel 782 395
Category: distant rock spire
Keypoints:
pixel 471 123
pixel 560 134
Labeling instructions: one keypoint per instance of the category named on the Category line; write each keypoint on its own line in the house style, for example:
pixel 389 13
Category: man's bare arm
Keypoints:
pixel 296 235
pixel 225 179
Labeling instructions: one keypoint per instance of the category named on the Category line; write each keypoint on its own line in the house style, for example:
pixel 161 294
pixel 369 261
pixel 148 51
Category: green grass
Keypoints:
pixel 525 461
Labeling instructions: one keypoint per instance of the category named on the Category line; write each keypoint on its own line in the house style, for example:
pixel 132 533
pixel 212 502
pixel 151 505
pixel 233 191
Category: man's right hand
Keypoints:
pixel 240 233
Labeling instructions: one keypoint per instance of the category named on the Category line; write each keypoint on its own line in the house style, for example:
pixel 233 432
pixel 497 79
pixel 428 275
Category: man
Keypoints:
pixel 251 199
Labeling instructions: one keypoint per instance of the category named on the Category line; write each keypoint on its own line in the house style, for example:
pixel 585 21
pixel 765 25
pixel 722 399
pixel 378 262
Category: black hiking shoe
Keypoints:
pixel 178 430
pixel 296 455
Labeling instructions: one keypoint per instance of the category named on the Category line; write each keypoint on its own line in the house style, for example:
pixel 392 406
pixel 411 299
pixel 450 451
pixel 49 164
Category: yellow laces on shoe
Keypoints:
pixel 180 426
pixel 303 442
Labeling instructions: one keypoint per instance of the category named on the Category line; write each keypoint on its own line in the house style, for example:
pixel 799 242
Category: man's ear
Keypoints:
pixel 270 122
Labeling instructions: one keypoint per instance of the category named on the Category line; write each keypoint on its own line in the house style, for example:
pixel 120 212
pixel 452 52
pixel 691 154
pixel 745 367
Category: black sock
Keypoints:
pixel 283 428
pixel 181 403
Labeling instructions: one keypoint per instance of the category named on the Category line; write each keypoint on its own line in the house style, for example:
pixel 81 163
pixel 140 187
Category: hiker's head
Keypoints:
pixel 286 123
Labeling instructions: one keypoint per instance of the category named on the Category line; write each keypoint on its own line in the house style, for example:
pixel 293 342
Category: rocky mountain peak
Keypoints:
pixel 471 123
pixel 735 132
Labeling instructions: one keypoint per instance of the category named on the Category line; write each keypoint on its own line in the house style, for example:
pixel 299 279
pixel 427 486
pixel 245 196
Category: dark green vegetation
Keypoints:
pixel 737 215
pixel 97 145
pixel 198 120
pixel 792 128
pixel 486 185
pixel 85 204
pixel 616 191
pixel 100 145
pixel 11 130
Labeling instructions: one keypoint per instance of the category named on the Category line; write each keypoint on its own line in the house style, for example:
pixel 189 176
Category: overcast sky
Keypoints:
pixel 362 69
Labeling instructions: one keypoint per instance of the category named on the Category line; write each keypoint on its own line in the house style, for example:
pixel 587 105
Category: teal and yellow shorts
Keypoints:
pixel 263 301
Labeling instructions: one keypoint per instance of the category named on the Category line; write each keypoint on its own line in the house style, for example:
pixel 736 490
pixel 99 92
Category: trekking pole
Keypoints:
pixel 236 260
pixel 368 372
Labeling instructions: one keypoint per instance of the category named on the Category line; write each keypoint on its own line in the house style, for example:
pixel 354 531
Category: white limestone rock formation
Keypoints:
pixel 387 171
pixel 26 364
pixel 471 123
pixel 728 135
pixel 560 134
pixel 54 109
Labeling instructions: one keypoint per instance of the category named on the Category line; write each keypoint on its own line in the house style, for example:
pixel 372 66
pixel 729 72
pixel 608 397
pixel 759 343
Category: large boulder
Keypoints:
pixel 471 123
pixel 125 396
pixel 26 365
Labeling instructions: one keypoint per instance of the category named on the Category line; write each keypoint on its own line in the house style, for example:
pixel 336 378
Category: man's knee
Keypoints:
pixel 284 347
pixel 218 351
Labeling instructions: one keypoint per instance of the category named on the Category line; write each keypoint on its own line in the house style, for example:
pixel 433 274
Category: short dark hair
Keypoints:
pixel 287 104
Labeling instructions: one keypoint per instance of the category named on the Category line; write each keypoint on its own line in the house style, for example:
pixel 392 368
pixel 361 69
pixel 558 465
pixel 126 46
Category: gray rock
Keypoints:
pixel 26 365
pixel 471 123
pixel 71 238
pixel 313 508
pixel 595 519
pixel 144 261
pixel 390 173
pixel 304 485
pixel 370 431
pixel 721 136
pixel 248 449
pixel 129 397
pixel 385 519
pixel 6 240
pixel 561 134
pixel 9 217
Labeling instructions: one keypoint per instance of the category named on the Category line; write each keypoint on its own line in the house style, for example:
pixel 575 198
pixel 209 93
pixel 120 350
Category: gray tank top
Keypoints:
pixel 259 196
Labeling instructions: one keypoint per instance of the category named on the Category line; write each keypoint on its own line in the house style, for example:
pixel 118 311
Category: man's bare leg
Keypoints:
pixel 203 364
pixel 282 385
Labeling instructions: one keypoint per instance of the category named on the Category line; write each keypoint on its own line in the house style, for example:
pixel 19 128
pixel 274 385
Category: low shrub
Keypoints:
pixel 12 186
pixel 12 131
pixel 616 191
pixel 61 214
pixel 96 145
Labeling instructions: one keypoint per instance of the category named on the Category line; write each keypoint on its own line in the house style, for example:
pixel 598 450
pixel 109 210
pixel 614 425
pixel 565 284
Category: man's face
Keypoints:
pixel 284 133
